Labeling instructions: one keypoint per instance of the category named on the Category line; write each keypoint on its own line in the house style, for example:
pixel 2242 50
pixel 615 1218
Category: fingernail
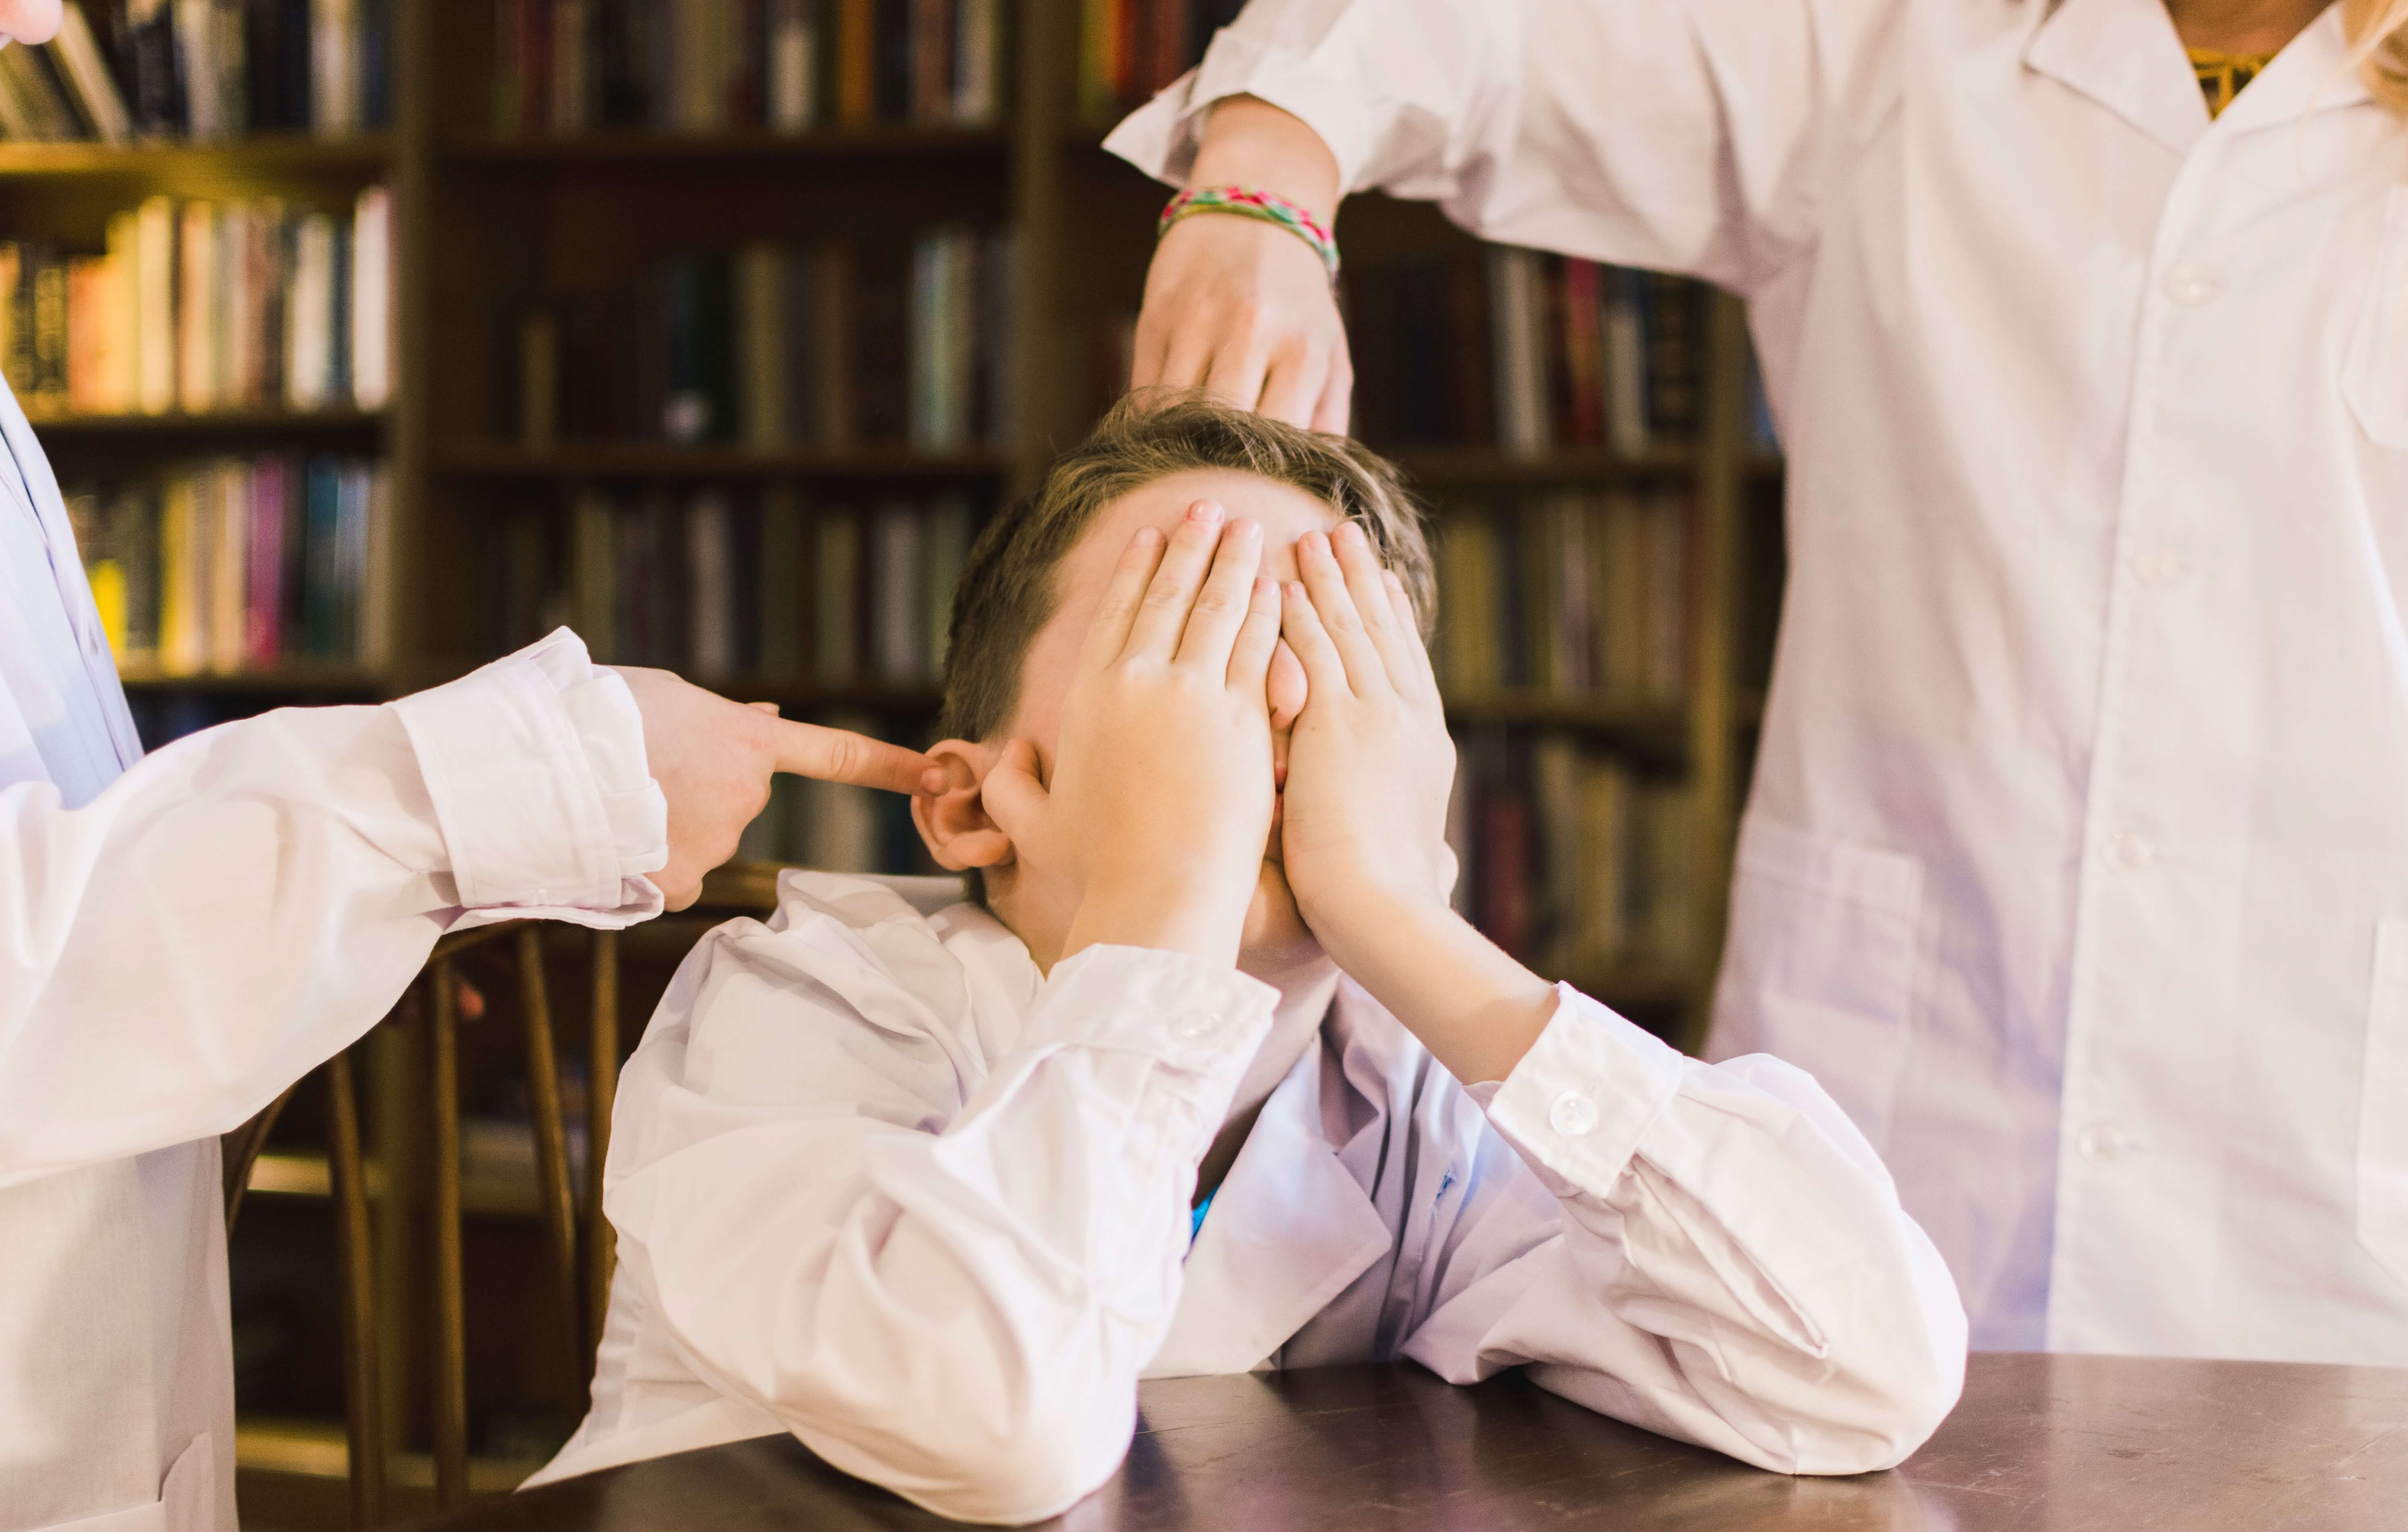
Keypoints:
pixel 1352 533
pixel 1296 590
pixel 1205 511
pixel 1317 542
pixel 1147 537
pixel 933 780
pixel 1395 581
pixel 1241 528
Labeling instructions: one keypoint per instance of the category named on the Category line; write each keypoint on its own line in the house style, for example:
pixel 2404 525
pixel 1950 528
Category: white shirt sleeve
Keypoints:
pixel 1678 134
pixel 948 1291
pixel 247 901
pixel 1732 1268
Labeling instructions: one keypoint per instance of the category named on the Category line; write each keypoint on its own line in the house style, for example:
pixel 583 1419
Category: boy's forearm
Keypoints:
pixel 1473 1007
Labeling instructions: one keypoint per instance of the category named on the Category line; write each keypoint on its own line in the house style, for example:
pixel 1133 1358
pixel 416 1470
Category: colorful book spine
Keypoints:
pixel 239 564
pixel 779 347
pixel 202 306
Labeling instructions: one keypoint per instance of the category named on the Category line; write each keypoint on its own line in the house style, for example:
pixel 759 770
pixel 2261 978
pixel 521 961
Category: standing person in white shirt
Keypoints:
pixel 2076 860
pixel 916 1178
pixel 188 933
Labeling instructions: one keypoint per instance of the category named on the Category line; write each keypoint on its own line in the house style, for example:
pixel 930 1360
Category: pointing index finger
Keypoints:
pixel 840 756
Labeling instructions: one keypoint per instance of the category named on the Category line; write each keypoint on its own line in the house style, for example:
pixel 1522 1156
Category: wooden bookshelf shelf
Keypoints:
pixel 665 460
pixel 1471 468
pixel 206 422
pixel 1630 984
pixel 1639 717
pixel 297 680
pixel 615 149
pixel 234 159
pixel 798 697
pixel 311 1449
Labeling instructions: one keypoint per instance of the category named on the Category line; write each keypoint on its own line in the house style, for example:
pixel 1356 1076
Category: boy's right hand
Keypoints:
pixel 1159 802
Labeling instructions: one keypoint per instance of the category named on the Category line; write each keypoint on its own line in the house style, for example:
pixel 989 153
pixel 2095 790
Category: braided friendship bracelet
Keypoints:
pixel 1246 202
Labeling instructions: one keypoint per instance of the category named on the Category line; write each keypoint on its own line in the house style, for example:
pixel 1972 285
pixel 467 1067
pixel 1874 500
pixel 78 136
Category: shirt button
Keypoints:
pixel 2160 568
pixel 2190 284
pixel 1573 1115
pixel 2104 1143
pixel 1195 1025
pixel 2129 851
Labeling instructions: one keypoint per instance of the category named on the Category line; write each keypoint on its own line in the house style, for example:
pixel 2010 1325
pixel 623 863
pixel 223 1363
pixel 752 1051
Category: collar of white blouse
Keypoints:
pixel 2126 55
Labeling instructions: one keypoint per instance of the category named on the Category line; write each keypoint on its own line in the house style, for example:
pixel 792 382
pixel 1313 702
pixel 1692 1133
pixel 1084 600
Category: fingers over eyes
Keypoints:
pixel 1108 635
pixel 1170 596
pixel 1325 673
pixel 1223 604
pixel 1341 619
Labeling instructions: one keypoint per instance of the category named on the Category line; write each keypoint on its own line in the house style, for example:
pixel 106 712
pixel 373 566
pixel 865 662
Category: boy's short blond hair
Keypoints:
pixel 1006 594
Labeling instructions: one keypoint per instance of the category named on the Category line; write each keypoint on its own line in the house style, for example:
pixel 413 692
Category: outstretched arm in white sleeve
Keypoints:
pixel 244 903
pixel 1691 136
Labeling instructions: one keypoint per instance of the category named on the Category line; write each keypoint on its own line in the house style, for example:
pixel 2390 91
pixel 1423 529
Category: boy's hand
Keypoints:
pixel 1369 767
pixel 1160 802
pixel 1371 762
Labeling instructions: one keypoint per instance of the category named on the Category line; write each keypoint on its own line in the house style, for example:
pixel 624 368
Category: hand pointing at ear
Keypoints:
pixel 713 759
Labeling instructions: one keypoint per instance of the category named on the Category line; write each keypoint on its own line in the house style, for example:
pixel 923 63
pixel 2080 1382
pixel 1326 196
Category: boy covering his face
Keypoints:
pixel 1213 1079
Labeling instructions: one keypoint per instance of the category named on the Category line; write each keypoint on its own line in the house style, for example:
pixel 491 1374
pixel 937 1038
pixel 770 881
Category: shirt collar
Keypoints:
pixel 1291 1229
pixel 2126 55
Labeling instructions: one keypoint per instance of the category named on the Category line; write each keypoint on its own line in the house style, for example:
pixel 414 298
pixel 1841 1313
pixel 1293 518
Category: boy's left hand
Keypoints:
pixel 1369 762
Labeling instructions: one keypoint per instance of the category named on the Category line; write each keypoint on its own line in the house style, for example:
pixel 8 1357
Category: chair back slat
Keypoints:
pixel 601 1088
pixel 450 1361
pixel 553 1196
pixel 363 1388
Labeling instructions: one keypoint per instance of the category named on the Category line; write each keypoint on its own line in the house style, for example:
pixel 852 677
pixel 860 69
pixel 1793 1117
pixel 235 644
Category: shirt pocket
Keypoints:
pixel 2374 372
pixel 1821 968
pixel 2383 1105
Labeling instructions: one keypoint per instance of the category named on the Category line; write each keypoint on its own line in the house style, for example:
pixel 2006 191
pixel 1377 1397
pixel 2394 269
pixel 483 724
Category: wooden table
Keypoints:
pixel 2039 1444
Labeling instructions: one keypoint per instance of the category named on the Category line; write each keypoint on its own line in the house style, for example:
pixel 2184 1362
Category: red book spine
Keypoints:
pixel 265 599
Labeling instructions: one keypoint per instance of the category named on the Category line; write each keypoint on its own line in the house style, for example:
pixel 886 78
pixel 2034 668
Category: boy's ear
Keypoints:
pixel 954 822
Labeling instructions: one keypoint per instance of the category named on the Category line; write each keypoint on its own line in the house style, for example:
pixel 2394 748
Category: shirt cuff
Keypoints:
pixel 1581 1099
pixel 537 770
pixel 1161 137
pixel 1183 1011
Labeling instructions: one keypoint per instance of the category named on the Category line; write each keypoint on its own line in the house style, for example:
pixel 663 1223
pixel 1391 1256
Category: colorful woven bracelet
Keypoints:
pixel 1248 203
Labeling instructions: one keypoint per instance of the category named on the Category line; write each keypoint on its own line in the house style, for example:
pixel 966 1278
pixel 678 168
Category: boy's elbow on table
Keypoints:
pixel 1018 1460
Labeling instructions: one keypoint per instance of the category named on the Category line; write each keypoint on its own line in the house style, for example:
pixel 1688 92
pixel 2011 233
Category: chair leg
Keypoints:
pixel 450 1370
pixel 363 1389
pixel 551 1136
pixel 602 1087
pixel 239 1151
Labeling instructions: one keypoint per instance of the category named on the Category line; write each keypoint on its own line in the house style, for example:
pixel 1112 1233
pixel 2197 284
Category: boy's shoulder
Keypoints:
pixel 883 947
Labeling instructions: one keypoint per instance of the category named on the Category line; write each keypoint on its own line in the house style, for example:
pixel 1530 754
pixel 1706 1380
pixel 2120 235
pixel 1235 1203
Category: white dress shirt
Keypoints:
pixel 878 1183
pixel 187 934
pixel 2076 863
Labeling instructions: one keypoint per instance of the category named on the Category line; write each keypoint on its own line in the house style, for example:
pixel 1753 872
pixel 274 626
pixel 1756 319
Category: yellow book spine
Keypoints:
pixel 182 648
pixel 108 578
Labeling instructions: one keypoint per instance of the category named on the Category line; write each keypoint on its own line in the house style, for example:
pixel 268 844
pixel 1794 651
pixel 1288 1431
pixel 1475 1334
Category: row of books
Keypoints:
pixel 240 565
pixel 777 346
pixel 201 305
pixel 1571 595
pixel 202 69
pixel 717 583
pixel 712 66
pixel 1570 860
pixel 1130 48
pixel 1526 352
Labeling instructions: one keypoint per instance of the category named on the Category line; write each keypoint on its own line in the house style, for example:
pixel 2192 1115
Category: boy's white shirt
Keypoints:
pixel 879 1183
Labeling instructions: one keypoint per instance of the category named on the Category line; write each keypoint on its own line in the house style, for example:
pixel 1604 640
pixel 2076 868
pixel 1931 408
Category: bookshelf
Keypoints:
pixel 496 217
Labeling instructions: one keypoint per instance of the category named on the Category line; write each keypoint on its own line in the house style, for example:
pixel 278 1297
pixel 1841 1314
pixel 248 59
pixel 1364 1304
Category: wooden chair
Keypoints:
pixel 578 1261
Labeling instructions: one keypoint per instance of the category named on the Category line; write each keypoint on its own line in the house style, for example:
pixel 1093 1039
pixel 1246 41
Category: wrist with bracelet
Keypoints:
pixel 1251 202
